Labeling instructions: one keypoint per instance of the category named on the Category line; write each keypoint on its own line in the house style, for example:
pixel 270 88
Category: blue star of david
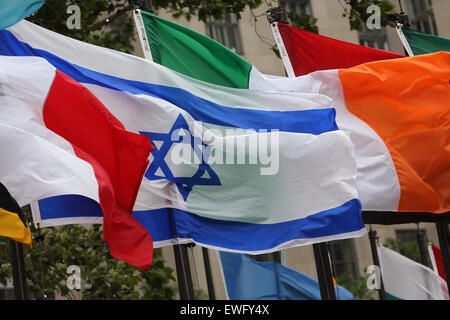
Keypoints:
pixel 184 184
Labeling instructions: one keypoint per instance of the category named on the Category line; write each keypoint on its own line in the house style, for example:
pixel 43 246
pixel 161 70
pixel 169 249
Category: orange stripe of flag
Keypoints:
pixel 407 102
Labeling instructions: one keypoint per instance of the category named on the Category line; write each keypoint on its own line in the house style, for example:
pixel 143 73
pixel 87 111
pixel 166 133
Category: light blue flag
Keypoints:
pixel 247 279
pixel 12 11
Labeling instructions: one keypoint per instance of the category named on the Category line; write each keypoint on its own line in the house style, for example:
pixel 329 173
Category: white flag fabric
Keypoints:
pixel 57 139
pixel 406 279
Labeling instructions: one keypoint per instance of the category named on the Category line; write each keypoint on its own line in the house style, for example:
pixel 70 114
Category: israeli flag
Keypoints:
pixel 233 169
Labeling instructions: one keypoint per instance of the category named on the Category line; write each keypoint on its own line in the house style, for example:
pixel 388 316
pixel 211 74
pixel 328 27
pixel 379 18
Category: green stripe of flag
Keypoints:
pixel 193 54
pixel 422 43
pixel 391 297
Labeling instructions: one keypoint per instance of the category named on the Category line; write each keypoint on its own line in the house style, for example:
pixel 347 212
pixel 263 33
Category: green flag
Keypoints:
pixel 421 43
pixel 191 53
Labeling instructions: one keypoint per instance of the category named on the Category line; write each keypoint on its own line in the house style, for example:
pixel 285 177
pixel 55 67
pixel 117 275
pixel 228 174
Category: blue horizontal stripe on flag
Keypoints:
pixel 165 224
pixel 69 206
pixel 315 121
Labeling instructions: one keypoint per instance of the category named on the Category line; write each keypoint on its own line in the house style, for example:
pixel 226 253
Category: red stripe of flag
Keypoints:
pixel 438 260
pixel 309 52
pixel 119 159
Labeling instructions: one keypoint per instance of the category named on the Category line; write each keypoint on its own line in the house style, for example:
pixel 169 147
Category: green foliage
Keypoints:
pixel 103 277
pixel 357 286
pixel 203 9
pixel 199 294
pixel 356 12
pixel 409 249
pixel 107 23
pixel 304 21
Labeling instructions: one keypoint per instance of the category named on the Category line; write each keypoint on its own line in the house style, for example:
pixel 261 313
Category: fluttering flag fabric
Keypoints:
pixel 13 11
pixel 390 119
pixel 308 52
pixel 13 223
pixel 422 43
pixel 201 57
pixel 411 119
pixel 436 260
pixel 239 170
pixel 247 279
pixel 171 45
pixel 405 279
pixel 59 140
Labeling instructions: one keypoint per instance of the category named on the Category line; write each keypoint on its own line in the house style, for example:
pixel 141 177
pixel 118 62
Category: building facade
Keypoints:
pixel 251 37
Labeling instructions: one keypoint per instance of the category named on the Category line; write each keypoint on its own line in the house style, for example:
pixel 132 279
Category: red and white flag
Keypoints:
pixel 436 260
pixel 57 138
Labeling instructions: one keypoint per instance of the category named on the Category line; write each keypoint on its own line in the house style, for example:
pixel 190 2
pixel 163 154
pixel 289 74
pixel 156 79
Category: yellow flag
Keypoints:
pixel 12 223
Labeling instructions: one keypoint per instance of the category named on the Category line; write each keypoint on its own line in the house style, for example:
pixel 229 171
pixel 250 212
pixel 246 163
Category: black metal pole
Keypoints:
pixel 373 246
pixel 324 275
pixel 320 272
pixel 184 278
pixel 443 236
pixel 400 4
pixel 147 6
pixel 209 279
pixel 18 270
pixel 328 270
pixel 422 247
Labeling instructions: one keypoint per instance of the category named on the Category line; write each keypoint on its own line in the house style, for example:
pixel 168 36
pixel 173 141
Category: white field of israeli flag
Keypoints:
pixel 233 169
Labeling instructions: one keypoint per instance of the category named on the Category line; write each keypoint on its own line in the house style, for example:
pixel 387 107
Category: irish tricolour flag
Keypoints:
pixel 236 169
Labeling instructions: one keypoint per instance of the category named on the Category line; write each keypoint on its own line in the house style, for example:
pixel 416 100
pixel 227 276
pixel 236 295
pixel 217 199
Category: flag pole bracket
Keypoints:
pixel 277 15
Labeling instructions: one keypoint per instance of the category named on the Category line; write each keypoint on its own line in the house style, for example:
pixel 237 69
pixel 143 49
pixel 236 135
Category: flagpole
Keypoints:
pixel 401 19
pixel 422 249
pixel 274 16
pixel 148 6
pixel 402 37
pixel 432 259
pixel 144 4
pixel 373 246
pixel 282 49
pixel 443 236
pixel 183 269
pixel 142 35
pixel 323 269
pixel 209 279
pixel 18 270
